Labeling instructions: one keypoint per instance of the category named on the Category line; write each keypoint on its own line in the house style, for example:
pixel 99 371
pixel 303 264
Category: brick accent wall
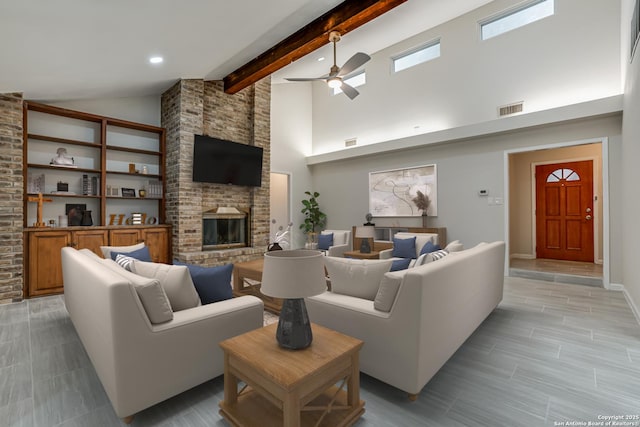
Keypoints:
pixel 198 107
pixel 11 205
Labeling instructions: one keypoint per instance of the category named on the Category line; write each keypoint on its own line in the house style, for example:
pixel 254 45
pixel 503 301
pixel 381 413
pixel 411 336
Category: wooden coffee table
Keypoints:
pixel 291 387
pixel 252 270
pixel 360 255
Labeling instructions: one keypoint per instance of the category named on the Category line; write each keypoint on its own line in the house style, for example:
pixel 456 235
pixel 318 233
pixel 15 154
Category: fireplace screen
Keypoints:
pixel 221 231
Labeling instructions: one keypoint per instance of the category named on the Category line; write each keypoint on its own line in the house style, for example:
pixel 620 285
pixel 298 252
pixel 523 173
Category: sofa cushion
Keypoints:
pixel 212 283
pixel 176 281
pixel 454 246
pixel 356 277
pixel 436 255
pixel 387 291
pixel 400 264
pixel 106 250
pixel 429 247
pixel 124 261
pixel 142 254
pixel 325 241
pixel 404 248
pixel 151 293
pixel 339 237
pixel 421 239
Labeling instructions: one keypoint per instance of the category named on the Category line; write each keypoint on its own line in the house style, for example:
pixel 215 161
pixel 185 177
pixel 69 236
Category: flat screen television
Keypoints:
pixel 225 162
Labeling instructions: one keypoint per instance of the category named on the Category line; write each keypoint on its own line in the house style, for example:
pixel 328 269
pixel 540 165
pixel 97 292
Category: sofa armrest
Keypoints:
pixel 338 250
pixel 252 306
pixel 386 254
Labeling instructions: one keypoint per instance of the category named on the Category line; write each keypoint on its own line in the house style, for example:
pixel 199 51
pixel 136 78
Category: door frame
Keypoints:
pixel 289 176
pixel 604 141
pixel 596 213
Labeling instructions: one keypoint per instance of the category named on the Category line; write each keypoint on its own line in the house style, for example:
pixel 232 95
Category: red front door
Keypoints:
pixel 564 211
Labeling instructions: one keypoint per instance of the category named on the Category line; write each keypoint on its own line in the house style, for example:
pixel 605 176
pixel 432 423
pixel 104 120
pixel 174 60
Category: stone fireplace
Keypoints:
pixel 197 107
pixel 225 228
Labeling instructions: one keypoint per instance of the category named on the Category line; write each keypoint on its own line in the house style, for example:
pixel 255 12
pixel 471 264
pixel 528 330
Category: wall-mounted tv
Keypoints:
pixel 225 162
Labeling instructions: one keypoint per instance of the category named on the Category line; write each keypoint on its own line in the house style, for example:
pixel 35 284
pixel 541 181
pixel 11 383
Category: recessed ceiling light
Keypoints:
pixel 156 59
pixel 321 59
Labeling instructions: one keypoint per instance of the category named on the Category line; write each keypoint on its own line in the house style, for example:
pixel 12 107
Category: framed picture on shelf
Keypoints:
pixel 128 192
pixel 74 213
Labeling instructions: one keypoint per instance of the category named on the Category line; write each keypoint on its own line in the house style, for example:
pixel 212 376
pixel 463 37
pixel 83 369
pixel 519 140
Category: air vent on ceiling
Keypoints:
pixel 507 110
pixel 350 142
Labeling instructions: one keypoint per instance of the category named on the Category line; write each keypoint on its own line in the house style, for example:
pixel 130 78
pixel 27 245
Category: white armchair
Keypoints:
pixel 342 242
pixel 421 239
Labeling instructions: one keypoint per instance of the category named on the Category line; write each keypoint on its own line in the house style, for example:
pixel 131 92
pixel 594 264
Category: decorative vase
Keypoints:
pixel 424 220
pixel 86 218
pixel 274 247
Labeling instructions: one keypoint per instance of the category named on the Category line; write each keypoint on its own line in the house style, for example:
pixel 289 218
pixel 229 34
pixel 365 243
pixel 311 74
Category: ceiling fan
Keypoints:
pixel 335 78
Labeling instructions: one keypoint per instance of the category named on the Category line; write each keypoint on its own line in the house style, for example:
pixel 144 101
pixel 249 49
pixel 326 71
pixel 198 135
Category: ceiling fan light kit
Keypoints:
pixel 335 77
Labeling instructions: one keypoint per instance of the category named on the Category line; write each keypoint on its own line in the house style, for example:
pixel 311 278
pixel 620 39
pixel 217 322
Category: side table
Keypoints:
pixel 291 388
pixel 360 255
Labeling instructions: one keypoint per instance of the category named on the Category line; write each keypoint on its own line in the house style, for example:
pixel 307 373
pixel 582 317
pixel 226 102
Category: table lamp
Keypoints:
pixel 365 233
pixel 293 275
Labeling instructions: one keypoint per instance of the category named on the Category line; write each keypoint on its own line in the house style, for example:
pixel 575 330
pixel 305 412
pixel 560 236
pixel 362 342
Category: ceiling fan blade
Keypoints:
pixel 356 61
pixel 350 91
pixel 305 79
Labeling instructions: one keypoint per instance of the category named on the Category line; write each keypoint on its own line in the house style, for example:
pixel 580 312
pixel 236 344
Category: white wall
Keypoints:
pixel 463 169
pixel 564 59
pixel 291 143
pixel 631 172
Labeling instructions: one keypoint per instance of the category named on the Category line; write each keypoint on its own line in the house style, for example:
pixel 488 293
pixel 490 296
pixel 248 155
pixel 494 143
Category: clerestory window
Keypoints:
pixel 516 18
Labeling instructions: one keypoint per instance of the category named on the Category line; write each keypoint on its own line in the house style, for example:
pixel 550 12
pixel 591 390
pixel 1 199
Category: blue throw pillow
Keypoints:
pixel 140 254
pixel 325 241
pixel 400 264
pixel 212 283
pixel 404 248
pixel 429 247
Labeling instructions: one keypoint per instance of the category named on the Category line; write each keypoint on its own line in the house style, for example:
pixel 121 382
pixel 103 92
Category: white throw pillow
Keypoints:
pixel 388 290
pixel 153 297
pixel 106 250
pixel 421 260
pixel 356 277
pixel 124 261
pixel 175 280
pixel 435 255
pixel 454 246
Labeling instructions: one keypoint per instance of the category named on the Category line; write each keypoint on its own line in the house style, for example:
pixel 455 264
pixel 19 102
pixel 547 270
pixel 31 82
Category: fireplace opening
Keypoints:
pixel 225 228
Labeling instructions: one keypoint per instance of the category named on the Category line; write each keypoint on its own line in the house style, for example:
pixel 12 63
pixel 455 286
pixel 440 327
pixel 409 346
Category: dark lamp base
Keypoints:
pixel 365 248
pixel 294 328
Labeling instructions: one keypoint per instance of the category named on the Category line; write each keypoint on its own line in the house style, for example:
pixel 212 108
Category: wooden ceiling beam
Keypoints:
pixel 343 18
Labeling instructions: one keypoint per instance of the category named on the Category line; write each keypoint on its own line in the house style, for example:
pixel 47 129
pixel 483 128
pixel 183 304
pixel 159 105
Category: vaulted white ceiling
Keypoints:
pixel 79 49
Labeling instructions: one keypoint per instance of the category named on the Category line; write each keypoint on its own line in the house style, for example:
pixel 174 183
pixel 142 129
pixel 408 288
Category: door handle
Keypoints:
pixel 588 210
pixel 588 217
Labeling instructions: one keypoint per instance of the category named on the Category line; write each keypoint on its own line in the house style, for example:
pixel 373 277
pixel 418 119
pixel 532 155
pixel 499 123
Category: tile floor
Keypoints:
pixel 550 353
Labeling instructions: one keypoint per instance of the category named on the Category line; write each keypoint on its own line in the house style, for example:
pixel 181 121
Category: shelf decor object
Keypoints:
pixel 40 200
pixel 293 275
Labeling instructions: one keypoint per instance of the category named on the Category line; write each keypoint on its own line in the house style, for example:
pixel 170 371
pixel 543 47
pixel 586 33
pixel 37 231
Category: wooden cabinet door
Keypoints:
pixel 124 237
pixel 45 261
pixel 90 239
pixel 157 239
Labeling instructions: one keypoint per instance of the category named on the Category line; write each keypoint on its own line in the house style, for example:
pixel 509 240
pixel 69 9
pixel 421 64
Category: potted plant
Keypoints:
pixel 314 218
pixel 422 202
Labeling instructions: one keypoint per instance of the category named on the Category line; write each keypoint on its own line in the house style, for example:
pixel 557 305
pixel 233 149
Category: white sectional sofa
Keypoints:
pixel 144 355
pixel 432 310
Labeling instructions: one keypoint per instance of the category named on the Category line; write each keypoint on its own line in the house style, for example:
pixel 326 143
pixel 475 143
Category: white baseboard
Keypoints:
pixel 522 256
pixel 634 307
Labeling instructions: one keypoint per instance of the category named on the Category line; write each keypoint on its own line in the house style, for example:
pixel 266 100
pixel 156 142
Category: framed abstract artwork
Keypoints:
pixel 404 192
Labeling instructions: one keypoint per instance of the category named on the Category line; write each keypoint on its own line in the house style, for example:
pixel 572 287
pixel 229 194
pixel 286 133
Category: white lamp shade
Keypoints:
pixel 293 274
pixel 366 232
